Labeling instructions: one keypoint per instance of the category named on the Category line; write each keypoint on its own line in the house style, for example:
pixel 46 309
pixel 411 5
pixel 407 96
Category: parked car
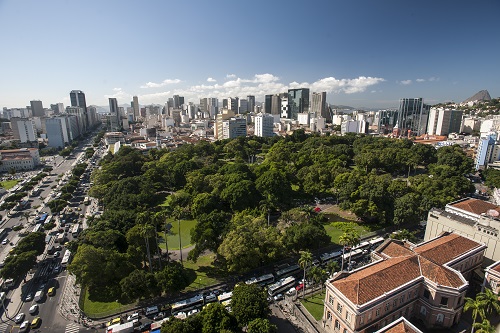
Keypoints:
pixel 19 318
pixel 33 309
pixel 29 297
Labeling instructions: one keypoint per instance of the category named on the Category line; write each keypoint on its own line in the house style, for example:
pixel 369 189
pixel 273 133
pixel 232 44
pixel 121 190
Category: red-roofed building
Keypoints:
pixel 427 281
pixel 492 278
pixel 474 218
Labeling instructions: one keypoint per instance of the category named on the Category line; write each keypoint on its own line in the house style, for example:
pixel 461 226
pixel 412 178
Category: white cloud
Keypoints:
pixel 420 80
pixel 431 79
pixel 405 82
pixel 161 84
pixel 117 89
pixel 211 80
pixel 120 95
pixel 230 76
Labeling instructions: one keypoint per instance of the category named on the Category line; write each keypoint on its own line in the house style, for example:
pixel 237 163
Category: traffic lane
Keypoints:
pixel 278 318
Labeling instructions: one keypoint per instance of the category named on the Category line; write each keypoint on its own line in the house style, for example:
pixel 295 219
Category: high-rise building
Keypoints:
pixel 37 109
pixel 77 98
pixel 23 129
pixel 178 101
pixel 298 102
pixel 251 103
pixel 135 105
pixel 232 104
pixel 204 104
pixel 220 118
pixel 318 105
pixel 80 119
pixel 264 124
pixel 275 104
pixel 444 121
pixel 242 106
pixel 57 108
pixel 412 117
pixel 268 102
pixel 234 127
pixel 57 132
pixel 114 118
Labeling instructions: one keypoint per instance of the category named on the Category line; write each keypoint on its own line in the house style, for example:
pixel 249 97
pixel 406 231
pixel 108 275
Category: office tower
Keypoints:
pixel 204 104
pixel 318 105
pixel 57 132
pixel 23 129
pixel 412 117
pixel 77 98
pixel 213 107
pixel 284 105
pixel 114 118
pixel 92 115
pixel 37 109
pixel 298 102
pixel 220 118
pixel 275 104
pixel 264 124
pixel 178 101
pixel 234 127
pixel 242 106
pixel 135 105
pixel 444 121
pixel 268 103
pixel 232 104
pixel 57 108
pixel 79 119
pixel 251 103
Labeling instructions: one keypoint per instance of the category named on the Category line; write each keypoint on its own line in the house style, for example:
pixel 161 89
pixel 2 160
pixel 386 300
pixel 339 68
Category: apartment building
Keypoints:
pixel 426 282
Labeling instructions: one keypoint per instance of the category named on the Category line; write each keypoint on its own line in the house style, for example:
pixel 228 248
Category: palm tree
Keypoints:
pixel 344 241
pixel 477 308
pixel 484 327
pixel 304 261
pixel 490 300
pixel 178 213
pixel 332 267
pixel 354 240
pixel 148 231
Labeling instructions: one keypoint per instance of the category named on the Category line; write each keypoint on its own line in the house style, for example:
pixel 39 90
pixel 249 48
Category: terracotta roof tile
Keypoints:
pixel 440 274
pixel 475 206
pixel 394 249
pixel 496 268
pixel 446 248
pixel 399 328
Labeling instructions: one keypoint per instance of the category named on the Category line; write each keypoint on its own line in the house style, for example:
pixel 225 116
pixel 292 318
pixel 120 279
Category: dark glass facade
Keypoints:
pixel 298 102
pixel 412 116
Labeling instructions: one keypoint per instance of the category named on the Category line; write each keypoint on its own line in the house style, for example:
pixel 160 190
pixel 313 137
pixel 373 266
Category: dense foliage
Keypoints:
pixel 381 180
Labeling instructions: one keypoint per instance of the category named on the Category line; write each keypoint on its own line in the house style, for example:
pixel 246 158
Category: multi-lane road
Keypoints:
pixel 59 313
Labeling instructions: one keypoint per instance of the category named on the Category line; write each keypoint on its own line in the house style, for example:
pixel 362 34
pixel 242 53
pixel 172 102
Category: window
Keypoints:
pixel 345 330
pixel 494 285
pixel 337 324
pixel 387 306
pixel 331 299
pixel 329 316
pixel 427 294
pixel 444 301
pixel 369 316
pixel 402 298
pixel 348 316
pixel 423 311
pixel 415 294
pixel 339 308
pixel 361 320
pixel 377 313
pixel 439 318
pixel 394 303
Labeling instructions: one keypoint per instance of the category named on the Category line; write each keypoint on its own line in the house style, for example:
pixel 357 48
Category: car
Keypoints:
pixel 36 322
pixel 5 241
pixel 42 287
pixel 145 327
pixel 115 321
pixel 57 254
pixel 28 297
pixel 19 318
pixel 299 287
pixel 52 291
pixel 278 297
pixel 159 316
pixel 58 248
pixel 133 316
pixel 24 326
pixel 57 269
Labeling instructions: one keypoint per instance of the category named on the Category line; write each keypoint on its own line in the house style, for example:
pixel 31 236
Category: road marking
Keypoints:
pixel 72 328
pixel 4 327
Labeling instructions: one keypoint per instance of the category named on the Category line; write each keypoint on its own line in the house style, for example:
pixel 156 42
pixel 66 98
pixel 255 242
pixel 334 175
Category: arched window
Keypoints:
pixel 440 318
pixel 423 311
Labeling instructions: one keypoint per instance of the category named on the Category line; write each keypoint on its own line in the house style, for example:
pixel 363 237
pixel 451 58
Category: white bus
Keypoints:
pixel 75 230
pixel 37 228
pixel 262 281
pixel 66 258
pixel 225 298
pixel 326 257
pixel 187 304
pixel 281 286
pixel 287 271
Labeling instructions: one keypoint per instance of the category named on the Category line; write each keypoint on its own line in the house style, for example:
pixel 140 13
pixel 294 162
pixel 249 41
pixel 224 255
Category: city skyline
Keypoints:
pixel 363 54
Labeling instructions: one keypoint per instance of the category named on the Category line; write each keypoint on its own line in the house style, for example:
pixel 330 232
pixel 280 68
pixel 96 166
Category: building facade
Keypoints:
pixel 298 102
pixel 57 132
pixel 412 117
pixel 492 278
pixel 318 105
pixel 37 109
pixel 264 124
pixel 473 218
pixel 444 121
pixel 426 282
pixel 234 127
pixel 19 159
pixel 23 129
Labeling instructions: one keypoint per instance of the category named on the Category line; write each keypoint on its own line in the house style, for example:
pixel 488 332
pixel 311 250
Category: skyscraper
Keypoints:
pixel 268 102
pixel 318 105
pixel 114 118
pixel 57 108
pixel 251 103
pixel 78 99
pixel 37 109
pixel 298 102
pixel 178 101
pixel 412 116
pixel 264 125
pixel 135 105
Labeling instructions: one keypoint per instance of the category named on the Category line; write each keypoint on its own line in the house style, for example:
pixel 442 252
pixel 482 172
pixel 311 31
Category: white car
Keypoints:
pixel 133 316
pixel 24 326
pixel 5 241
pixel 33 309
pixel 19 318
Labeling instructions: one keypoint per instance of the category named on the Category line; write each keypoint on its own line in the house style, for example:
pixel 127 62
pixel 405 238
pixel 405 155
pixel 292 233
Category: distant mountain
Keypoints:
pixel 483 95
pixel 342 107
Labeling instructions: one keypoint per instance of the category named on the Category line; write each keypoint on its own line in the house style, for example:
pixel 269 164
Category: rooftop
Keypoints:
pixel 399 326
pixel 475 206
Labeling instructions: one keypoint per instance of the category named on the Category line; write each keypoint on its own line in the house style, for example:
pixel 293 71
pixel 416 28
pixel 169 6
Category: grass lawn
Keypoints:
pixel 202 273
pixel 314 305
pixel 8 184
pixel 103 309
pixel 173 236
pixel 336 229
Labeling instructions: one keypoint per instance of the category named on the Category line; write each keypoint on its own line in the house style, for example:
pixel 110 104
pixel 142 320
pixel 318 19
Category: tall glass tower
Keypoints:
pixel 412 116
pixel 298 102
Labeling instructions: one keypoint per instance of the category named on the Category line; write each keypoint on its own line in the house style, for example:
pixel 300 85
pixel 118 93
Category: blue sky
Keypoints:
pixel 363 53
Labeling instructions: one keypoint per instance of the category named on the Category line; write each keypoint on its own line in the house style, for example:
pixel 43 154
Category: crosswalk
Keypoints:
pixel 4 328
pixel 72 328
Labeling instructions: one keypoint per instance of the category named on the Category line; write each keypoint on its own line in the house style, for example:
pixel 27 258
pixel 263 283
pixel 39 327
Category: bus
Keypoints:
pixel 41 219
pixel 37 228
pixel 3 233
pixel 281 286
pixel 35 192
pixel 86 201
pixel 48 220
pixel 60 238
pixel 66 258
pixel 262 281
pixel 225 298
pixel 326 257
pixel 375 242
pixel 287 271
pixel 75 230
pixel 187 304
pixel 21 205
